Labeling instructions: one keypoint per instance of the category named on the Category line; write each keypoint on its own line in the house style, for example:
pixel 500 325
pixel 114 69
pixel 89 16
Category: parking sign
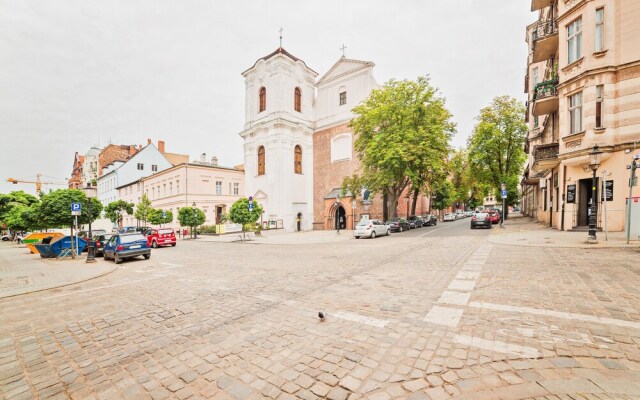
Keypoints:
pixel 76 208
pixel 504 194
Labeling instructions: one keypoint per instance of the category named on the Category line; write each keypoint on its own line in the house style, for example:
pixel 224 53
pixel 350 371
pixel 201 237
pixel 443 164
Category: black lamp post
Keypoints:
pixel 195 215
pixel 90 192
pixel 408 197
pixel 594 163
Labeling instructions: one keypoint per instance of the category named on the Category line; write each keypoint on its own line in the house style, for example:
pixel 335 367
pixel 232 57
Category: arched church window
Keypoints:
pixel 297 160
pixel 261 160
pixel 297 99
pixel 263 99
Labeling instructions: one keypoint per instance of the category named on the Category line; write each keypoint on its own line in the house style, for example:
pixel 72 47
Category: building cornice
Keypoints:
pixel 597 71
pixel 267 122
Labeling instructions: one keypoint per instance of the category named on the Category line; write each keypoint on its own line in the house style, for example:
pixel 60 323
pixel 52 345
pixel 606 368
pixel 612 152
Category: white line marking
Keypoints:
pixel 457 298
pixel 444 316
pixel 468 275
pixel 464 286
pixel 501 347
pixel 267 297
pixel 476 268
pixel 380 323
pixel 171 264
pixel 98 288
pixel 558 314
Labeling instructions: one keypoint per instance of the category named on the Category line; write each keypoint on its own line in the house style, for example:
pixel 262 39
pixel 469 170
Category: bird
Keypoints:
pixel 322 316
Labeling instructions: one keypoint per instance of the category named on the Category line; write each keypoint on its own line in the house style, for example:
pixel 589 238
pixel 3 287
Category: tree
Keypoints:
pixel 240 214
pixel 496 147
pixel 55 208
pixel 14 199
pixel 443 195
pixel 116 209
pixel 402 131
pixel 143 209
pixel 14 220
pixel 188 216
pixel 155 217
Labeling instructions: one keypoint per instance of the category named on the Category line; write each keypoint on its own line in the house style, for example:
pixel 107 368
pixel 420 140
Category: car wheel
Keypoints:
pixel 116 259
pixel 357 237
pixel 388 232
pixel 400 230
pixel 154 244
pixel 173 244
pixel 147 256
pixel 373 235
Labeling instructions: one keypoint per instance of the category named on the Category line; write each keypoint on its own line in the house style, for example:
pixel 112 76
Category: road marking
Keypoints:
pixel 444 316
pixel 171 264
pixel 99 288
pixel 468 275
pixel 456 298
pixel 558 314
pixel 380 323
pixel 267 297
pixel 435 230
pixel 501 347
pixel 464 286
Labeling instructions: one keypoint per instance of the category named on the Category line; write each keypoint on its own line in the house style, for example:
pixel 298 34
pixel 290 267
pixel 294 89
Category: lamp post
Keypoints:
pixel 90 192
pixel 594 164
pixel 195 215
pixel 407 197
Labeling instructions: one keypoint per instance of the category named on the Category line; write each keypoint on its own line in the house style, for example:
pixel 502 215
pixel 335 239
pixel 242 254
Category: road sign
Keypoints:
pixel 164 214
pixel 76 208
pixel 503 193
pixel 250 198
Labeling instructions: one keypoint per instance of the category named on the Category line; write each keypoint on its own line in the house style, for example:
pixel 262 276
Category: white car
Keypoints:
pixel 449 217
pixel 371 228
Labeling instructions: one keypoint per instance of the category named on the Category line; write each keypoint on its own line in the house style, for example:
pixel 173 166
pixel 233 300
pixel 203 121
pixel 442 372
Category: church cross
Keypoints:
pixel 342 48
pixel 281 36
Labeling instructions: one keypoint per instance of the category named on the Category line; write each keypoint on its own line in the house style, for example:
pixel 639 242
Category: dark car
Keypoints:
pixel 417 221
pixel 99 241
pixel 398 224
pixel 429 220
pixel 434 220
pixel 481 219
pixel 126 245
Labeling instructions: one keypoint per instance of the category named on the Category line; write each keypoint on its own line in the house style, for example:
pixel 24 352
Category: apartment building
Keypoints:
pixel 583 82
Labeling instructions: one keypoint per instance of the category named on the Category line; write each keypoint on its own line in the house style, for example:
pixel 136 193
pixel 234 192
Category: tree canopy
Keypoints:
pixel 240 213
pixel 188 217
pixel 16 199
pixel 402 135
pixel 115 210
pixel 143 209
pixel 155 216
pixel 55 208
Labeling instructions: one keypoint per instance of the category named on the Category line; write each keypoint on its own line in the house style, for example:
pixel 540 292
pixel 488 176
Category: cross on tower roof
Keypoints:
pixel 342 48
pixel 280 36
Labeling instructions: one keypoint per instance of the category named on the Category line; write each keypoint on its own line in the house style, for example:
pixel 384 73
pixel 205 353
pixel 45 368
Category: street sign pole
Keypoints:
pixel 503 193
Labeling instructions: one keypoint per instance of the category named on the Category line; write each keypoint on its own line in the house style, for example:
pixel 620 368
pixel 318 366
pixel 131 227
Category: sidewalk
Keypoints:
pixel 22 272
pixel 280 237
pixel 520 230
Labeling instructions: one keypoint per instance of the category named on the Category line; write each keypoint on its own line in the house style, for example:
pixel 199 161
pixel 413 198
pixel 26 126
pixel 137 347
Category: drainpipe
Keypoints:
pixel 564 185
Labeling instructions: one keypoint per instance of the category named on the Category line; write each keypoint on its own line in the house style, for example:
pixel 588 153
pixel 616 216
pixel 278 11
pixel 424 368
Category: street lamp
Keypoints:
pixel 90 192
pixel 195 215
pixel 594 163
pixel 407 197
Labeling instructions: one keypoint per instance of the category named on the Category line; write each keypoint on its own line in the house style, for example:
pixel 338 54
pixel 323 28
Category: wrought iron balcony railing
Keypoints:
pixel 544 29
pixel 546 89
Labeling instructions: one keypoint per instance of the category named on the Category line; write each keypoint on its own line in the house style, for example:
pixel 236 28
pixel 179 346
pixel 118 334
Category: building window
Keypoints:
pixel 574 40
pixel 341 147
pixel 297 160
pixel 575 113
pixel 297 100
pixel 140 166
pixel 263 99
pixel 230 188
pixel 170 188
pixel 236 188
pixel 343 98
pixel 599 29
pixel 261 160
pixel 154 168
pixel 536 77
pixel 536 122
pixel 599 99
pixel 218 187
pixel 177 186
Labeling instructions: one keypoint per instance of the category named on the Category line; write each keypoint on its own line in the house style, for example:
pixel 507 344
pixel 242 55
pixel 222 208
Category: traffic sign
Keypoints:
pixel 250 207
pixel 503 193
pixel 250 198
pixel 164 214
pixel 76 208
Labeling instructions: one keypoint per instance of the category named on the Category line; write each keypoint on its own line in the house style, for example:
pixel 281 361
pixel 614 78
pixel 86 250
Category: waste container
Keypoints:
pixel 35 238
pixel 58 245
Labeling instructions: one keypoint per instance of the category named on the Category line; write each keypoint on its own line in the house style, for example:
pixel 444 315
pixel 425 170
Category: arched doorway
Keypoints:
pixel 340 218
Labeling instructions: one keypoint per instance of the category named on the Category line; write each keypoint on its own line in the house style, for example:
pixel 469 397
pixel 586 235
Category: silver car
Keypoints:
pixel 371 228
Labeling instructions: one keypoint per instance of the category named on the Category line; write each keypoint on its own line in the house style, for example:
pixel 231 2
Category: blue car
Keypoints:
pixel 126 245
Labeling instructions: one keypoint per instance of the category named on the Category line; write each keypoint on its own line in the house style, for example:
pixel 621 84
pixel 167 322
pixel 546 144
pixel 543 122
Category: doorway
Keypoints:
pixel 299 221
pixel 584 198
pixel 219 211
pixel 340 218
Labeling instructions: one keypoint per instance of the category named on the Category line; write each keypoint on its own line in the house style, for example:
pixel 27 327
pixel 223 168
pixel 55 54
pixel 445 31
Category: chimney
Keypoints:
pixel 161 146
pixel 148 141
pixel 132 150
pixel 203 157
pixel 214 161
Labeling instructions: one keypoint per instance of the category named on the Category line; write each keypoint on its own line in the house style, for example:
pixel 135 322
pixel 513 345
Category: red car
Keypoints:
pixel 495 216
pixel 160 237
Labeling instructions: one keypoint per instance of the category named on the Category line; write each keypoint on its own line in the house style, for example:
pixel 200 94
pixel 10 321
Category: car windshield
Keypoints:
pixel 131 238
pixel 166 231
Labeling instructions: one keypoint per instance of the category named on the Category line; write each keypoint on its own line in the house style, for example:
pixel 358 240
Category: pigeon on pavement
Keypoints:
pixel 321 315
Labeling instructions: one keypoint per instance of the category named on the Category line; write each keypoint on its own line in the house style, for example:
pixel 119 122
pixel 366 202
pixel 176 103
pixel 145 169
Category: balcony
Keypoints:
pixel 545 40
pixel 545 98
pixel 545 156
pixel 540 4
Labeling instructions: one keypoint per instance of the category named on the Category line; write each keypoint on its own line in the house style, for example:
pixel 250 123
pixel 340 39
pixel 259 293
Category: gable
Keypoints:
pixel 343 67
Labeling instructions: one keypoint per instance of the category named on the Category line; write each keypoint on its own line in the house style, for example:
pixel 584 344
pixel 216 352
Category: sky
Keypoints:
pixel 78 73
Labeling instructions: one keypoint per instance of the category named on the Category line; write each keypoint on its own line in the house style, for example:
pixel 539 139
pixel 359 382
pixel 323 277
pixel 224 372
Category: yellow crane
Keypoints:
pixel 38 182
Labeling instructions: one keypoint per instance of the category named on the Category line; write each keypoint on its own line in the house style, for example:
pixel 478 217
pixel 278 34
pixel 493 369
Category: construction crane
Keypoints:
pixel 38 182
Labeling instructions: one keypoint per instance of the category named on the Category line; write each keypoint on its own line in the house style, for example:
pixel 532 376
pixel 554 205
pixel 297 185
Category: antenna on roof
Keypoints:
pixel 280 36
pixel 343 48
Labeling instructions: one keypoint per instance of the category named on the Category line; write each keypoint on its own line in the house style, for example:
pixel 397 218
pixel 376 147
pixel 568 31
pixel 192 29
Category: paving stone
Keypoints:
pixel 337 393
pixel 350 383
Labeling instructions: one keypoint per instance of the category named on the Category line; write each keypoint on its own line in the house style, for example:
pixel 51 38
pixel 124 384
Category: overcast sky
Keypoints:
pixel 88 72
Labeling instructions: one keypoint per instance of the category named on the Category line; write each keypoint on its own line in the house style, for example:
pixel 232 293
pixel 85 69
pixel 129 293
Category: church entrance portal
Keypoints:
pixel 340 218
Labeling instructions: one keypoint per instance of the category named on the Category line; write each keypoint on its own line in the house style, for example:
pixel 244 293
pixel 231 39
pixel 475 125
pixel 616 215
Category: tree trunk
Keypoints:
pixel 385 206
pixel 415 201
pixel 393 200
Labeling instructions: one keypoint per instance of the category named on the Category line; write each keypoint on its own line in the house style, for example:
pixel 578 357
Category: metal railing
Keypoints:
pixel 545 151
pixel 546 89
pixel 543 29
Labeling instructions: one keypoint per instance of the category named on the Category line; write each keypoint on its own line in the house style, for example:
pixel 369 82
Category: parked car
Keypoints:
pixel 412 224
pixel 495 216
pixel 17 237
pixel 126 245
pixel 371 228
pixel 417 220
pixel 398 224
pixel 481 219
pixel 99 241
pixel 449 217
pixel 433 219
pixel 131 229
pixel 160 237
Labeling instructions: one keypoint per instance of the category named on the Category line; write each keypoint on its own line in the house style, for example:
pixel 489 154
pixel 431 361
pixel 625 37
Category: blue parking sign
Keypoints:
pixel 76 206
pixel 504 194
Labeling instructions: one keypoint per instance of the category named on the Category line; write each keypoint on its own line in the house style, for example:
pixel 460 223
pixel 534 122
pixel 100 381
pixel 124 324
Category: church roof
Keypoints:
pixel 344 65
pixel 279 50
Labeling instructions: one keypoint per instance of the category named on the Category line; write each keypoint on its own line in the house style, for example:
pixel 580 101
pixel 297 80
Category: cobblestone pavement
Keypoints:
pixel 435 315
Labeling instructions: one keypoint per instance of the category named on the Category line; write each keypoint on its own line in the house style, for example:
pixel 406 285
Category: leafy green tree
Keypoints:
pixel 155 217
pixel 443 195
pixel 188 217
pixel 13 199
pixel 55 208
pixel 14 220
pixel 32 218
pixel 240 214
pixel 115 210
pixel 402 131
pixel 496 147
pixel 143 209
